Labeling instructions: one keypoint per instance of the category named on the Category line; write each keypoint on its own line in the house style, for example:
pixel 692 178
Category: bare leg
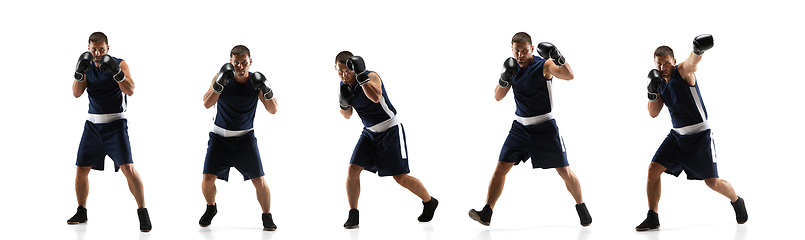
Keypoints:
pixel 353 185
pixel 135 183
pixel 723 187
pixel 208 188
pixel 414 185
pixel 571 182
pixel 653 185
pixel 263 194
pixel 82 185
pixel 497 182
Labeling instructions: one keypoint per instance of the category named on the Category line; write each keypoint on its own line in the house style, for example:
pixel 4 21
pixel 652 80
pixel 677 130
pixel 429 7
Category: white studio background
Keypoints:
pixel 439 61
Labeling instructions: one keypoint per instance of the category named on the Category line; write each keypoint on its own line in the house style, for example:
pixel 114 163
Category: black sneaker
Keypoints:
pixel 206 219
pixel 428 209
pixel 79 217
pixel 352 221
pixel 483 217
pixel 652 222
pixel 145 221
pixel 268 223
pixel 584 215
pixel 740 210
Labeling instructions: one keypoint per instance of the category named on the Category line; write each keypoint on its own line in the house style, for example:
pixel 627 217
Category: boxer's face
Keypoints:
pixel 665 64
pixel 97 49
pixel 523 52
pixel 242 63
pixel 346 76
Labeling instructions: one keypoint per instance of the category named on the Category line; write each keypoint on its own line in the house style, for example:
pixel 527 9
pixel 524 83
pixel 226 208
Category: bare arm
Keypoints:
pixel 655 107
pixel 127 85
pixel 687 68
pixel 210 98
pixel 270 104
pixel 500 92
pixel 346 113
pixel 550 70
pixel 79 87
pixel 373 89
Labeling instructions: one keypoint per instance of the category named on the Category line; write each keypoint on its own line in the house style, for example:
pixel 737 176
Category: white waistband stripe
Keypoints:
pixel 229 133
pixel 535 119
pixel 384 125
pixel 105 118
pixel 693 129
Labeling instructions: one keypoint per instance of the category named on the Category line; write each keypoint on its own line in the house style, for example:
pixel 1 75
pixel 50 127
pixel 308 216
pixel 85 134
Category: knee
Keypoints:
pixel 259 182
pixel 502 169
pixel 564 172
pixel 209 178
pixel 354 172
pixel 82 171
pixel 127 169
pixel 712 183
pixel 401 179
pixel 655 170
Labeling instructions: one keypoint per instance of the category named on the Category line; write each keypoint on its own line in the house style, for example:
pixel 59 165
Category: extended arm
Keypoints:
pixel 701 44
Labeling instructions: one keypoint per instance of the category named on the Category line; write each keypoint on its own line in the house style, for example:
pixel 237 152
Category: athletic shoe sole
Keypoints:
pixel 477 218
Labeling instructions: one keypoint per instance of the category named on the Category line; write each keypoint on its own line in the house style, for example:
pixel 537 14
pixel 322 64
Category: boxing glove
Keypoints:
pixel 356 65
pixel 227 72
pixel 344 95
pixel 654 81
pixel 702 43
pixel 109 64
pixel 259 83
pixel 83 63
pixel 547 50
pixel 510 69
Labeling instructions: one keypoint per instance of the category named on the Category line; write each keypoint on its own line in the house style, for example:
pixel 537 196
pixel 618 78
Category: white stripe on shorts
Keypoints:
pixel 402 142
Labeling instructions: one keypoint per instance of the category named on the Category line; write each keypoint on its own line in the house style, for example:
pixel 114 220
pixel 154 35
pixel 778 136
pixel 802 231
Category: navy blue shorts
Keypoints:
pixel 384 153
pixel 102 139
pixel 541 142
pixel 695 153
pixel 239 152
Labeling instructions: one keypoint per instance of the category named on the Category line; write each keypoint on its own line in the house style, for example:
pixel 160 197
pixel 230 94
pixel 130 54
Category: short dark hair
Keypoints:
pixel 98 37
pixel 663 51
pixel 521 37
pixel 240 50
pixel 343 56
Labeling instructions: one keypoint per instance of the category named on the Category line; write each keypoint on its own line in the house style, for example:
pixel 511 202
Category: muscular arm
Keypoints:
pixel 79 87
pixel 127 85
pixel 550 70
pixel 655 107
pixel 210 98
pixel 687 68
pixel 346 113
pixel 500 92
pixel 373 89
pixel 270 104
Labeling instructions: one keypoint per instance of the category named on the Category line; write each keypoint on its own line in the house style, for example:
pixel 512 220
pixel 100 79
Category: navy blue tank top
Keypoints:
pixel 236 106
pixel 532 92
pixel 684 102
pixel 372 113
pixel 104 93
